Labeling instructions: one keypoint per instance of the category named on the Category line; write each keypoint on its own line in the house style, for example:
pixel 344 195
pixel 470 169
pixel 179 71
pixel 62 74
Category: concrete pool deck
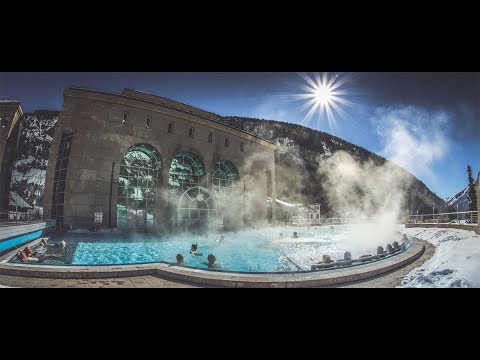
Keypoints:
pixel 166 275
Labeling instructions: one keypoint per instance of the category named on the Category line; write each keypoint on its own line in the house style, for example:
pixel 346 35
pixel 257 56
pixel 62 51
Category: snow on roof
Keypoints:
pixel 9 101
pixel 16 200
pixel 283 203
pixel 306 208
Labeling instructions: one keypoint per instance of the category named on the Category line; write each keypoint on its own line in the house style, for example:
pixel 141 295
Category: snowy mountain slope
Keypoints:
pixel 460 199
pixel 300 152
pixel 29 168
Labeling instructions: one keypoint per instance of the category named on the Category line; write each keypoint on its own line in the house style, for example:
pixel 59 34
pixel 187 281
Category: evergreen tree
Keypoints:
pixel 471 195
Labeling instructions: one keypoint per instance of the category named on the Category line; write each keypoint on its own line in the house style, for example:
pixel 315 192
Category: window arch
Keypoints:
pixel 186 170
pixel 197 207
pixel 223 175
pixel 137 187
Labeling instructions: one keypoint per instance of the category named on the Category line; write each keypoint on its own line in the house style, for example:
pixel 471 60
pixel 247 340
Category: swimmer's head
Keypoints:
pixel 211 259
pixel 179 259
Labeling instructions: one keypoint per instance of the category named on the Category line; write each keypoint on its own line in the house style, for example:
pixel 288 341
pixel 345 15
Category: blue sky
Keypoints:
pixel 427 122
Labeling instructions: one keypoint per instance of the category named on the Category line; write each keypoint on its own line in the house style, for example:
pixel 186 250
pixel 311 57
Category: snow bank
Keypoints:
pixel 456 262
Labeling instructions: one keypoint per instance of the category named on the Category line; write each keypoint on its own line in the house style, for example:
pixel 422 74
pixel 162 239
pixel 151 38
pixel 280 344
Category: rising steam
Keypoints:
pixel 413 137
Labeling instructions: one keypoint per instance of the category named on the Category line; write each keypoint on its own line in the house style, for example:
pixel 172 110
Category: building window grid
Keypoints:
pixel 60 176
pixel 137 193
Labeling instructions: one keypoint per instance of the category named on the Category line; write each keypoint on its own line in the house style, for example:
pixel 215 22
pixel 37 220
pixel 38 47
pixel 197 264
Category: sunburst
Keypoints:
pixel 325 96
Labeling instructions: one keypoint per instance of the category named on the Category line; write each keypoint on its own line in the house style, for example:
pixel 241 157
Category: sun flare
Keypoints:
pixel 324 95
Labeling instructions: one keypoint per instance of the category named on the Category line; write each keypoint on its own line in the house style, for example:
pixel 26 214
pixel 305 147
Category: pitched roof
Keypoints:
pixel 17 200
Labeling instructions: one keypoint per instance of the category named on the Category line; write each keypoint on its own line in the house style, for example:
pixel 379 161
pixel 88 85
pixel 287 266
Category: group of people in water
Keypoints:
pixel 45 251
pixel 194 251
pixel 347 256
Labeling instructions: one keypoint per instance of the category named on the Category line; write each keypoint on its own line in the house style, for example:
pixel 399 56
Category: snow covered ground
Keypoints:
pixel 456 262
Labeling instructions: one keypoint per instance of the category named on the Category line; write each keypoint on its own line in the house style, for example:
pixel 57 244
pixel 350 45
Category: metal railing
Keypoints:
pixel 330 221
pixel 458 218
pixel 19 218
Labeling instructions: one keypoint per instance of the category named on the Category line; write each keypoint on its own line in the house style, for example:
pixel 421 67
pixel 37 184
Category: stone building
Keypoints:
pixel 11 114
pixel 145 163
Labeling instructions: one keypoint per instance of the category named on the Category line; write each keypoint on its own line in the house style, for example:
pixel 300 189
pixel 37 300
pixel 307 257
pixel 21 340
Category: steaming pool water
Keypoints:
pixel 243 251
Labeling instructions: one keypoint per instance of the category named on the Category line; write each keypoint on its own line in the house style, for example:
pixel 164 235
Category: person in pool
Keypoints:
pixel 221 239
pixel 194 251
pixel 29 253
pixel 295 235
pixel 179 259
pixel 22 256
pixel 211 262
pixel 45 243
pixel 281 236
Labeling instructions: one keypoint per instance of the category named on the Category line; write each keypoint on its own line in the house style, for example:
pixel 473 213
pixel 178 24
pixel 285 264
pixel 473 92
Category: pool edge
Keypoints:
pixel 214 279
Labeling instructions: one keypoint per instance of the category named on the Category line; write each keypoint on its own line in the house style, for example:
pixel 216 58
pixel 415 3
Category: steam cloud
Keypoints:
pixel 364 190
pixel 413 137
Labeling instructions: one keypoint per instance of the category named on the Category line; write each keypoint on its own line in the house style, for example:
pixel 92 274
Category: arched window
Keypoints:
pixel 185 172
pixel 196 209
pixel 224 174
pixel 137 187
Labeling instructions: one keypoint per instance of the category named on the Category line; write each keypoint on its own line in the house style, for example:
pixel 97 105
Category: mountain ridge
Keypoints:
pixel 301 147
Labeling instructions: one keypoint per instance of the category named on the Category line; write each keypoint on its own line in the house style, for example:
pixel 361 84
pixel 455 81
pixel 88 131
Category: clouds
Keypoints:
pixel 413 137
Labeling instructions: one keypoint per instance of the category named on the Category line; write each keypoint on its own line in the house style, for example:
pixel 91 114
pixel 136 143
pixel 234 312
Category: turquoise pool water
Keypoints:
pixel 243 251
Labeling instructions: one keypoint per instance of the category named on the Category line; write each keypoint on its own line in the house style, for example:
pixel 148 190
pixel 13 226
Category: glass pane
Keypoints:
pixel 150 215
pixel 122 181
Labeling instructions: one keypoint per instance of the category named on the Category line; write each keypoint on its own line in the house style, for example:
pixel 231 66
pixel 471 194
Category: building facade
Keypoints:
pixel 11 114
pixel 140 162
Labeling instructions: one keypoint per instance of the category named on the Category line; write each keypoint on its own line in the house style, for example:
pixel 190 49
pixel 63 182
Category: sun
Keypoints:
pixel 324 96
